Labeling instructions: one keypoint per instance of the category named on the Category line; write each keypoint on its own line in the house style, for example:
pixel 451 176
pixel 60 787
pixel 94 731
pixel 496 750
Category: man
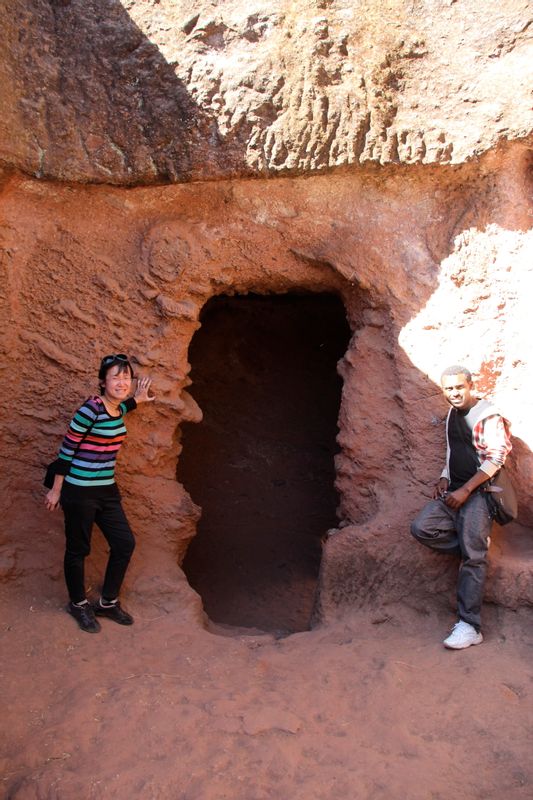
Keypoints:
pixel 457 520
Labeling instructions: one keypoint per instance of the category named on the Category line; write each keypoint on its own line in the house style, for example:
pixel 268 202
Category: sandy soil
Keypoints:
pixel 372 707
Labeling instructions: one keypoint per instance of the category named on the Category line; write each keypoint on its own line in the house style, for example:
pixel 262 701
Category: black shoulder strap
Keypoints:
pixel 89 429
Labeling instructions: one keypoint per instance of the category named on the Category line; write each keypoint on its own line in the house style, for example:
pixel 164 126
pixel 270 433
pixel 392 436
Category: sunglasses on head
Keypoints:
pixel 117 357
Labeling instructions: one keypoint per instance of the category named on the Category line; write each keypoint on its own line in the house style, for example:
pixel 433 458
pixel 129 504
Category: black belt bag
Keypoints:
pixel 501 496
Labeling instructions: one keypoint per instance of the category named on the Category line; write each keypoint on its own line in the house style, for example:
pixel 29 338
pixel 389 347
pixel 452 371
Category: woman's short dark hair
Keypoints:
pixel 120 360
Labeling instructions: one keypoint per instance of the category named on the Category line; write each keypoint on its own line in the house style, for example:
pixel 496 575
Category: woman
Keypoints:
pixel 84 485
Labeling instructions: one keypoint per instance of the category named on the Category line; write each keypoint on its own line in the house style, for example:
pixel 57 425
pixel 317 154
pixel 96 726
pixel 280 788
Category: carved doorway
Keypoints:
pixel 261 464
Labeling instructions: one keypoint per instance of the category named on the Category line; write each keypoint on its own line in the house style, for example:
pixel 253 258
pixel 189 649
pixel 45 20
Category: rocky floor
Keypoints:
pixel 372 707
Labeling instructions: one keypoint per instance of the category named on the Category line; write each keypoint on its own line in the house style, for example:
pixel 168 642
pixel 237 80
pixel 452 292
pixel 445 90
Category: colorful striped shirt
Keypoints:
pixel 89 451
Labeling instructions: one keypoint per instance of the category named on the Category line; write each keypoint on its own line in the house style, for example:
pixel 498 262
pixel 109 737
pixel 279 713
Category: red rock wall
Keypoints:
pixel 404 128
pixel 151 91
pixel 423 259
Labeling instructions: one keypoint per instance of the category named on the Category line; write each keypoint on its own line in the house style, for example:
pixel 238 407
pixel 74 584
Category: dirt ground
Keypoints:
pixel 372 707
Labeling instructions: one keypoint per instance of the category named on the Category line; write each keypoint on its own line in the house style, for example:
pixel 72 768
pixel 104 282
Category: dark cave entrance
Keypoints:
pixel 261 464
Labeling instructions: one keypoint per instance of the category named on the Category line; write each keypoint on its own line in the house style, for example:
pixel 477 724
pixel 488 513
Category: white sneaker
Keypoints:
pixel 463 635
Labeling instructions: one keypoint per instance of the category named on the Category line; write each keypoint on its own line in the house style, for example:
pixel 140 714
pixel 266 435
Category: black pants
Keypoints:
pixel 80 513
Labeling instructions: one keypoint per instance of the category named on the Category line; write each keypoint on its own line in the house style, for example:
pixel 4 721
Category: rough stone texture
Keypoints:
pixel 151 91
pixel 419 113
pixel 418 116
pixel 425 260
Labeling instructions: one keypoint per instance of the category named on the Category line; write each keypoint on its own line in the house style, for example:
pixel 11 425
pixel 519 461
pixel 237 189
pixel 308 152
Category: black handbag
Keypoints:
pixel 501 497
pixel 50 474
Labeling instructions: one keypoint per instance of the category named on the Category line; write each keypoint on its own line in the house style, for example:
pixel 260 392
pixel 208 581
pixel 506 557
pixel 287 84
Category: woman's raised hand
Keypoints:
pixel 141 392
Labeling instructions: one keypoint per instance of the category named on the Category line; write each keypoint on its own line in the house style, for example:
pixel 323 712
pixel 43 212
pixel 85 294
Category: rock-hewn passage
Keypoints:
pixel 431 265
pixel 261 462
pixel 395 137
pixel 166 163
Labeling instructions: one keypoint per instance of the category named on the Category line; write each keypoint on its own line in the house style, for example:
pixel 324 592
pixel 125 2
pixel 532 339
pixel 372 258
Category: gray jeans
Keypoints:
pixel 464 533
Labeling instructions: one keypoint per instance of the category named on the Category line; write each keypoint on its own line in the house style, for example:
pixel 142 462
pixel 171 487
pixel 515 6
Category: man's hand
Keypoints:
pixel 440 488
pixel 456 499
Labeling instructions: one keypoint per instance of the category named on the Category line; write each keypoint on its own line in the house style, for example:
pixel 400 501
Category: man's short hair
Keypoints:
pixel 457 369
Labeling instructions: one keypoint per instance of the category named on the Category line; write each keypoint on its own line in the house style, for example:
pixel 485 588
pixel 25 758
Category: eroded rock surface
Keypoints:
pixel 147 92
pixel 432 265
pixel 418 117
pixel 395 138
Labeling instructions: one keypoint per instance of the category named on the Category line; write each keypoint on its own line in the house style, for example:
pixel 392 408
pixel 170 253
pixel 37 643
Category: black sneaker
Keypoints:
pixel 114 612
pixel 84 616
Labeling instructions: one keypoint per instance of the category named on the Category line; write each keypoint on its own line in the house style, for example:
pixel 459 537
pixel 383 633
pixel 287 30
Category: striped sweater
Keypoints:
pixel 89 451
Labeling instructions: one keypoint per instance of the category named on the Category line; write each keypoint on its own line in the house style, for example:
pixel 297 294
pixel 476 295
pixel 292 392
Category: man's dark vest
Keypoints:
pixel 464 459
